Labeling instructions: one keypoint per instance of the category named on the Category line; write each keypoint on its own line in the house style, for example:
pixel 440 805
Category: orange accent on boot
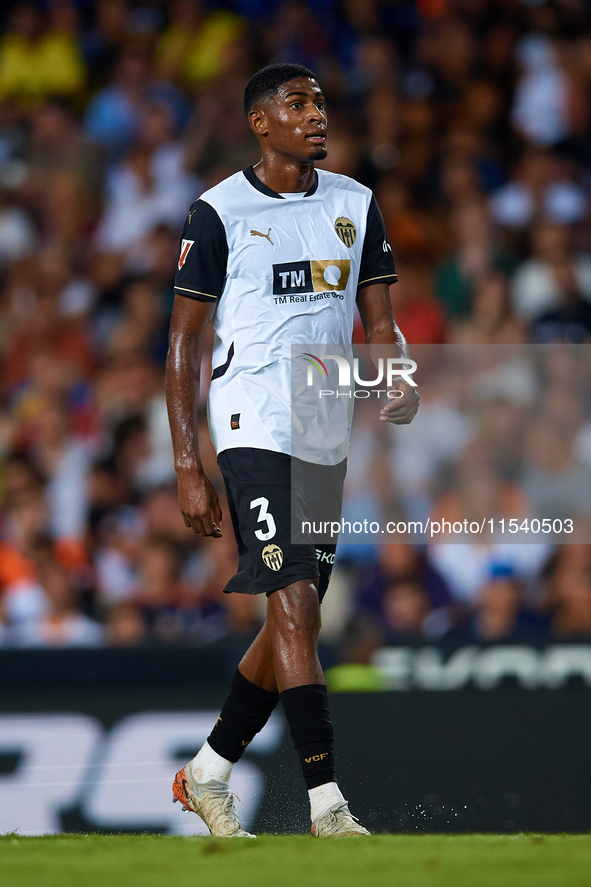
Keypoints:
pixel 179 787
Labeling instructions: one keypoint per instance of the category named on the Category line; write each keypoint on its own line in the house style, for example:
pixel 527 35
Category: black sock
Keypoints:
pixel 245 712
pixel 306 710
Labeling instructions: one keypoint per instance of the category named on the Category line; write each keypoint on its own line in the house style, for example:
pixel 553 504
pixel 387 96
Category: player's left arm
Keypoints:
pixel 376 273
pixel 379 324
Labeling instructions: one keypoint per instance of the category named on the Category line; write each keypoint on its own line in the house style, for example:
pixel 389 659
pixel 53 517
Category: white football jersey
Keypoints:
pixel 283 270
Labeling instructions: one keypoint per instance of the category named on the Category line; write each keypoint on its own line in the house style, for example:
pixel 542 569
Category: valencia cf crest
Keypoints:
pixel 273 557
pixel 346 230
pixel 185 247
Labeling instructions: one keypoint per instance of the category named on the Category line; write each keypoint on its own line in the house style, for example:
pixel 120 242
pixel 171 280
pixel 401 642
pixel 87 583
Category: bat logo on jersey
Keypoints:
pixel 185 247
pixel 346 230
pixel 273 557
pixel 317 276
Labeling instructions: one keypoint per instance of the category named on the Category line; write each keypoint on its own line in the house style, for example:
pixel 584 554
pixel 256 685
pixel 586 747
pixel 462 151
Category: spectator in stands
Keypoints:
pixel 536 288
pixel 40 58
pixel 218 138
pixel 118 541
pixel 541 104
pixel 174 610
pixel 442 432
pixel 113 114
pixel 142 328
pixel 498 614
pixel 158 592
pixel 491 320
pixel 542 188
pixel 25 517
pixel 56 144
pixel 105 37
pixel 553 479
pixel 64 624
pixel 23 603
pixel 195 46
pixel 65 463
pixel 570 604
pixel 466 568
pixel 416 309
pixel 106 491
pixel 126 626
pixel 141 194
pixel 401 566
pixel 570 320
pixel 39 327
pixel 18 237
pixel 476 256
pixel 405 608
pixel 125 385
pixel 478 493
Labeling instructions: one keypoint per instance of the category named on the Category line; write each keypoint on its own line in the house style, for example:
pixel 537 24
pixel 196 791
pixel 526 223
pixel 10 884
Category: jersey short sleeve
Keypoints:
pixel 377 262
pixel 203 256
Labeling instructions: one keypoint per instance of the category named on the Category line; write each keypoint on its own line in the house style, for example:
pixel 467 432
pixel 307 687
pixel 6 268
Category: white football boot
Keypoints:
pixel 212 801
pixel 338 822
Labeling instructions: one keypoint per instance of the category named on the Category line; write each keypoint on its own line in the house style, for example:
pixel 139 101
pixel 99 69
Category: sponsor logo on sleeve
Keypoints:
pixel 185 247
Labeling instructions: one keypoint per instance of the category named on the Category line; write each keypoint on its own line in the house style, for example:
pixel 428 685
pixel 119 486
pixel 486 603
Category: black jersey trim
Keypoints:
pixel 385 278
pixel 254 180
pixel 185 291
pixel 219 371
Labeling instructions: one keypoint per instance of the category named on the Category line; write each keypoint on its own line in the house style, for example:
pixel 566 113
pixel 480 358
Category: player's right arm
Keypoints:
pixel 199 284
pixel 198 500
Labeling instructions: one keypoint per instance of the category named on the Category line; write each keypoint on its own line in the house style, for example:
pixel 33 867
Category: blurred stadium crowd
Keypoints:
pixel 470 119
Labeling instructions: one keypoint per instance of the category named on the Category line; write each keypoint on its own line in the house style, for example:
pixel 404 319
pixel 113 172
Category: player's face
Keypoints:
pixel 294 121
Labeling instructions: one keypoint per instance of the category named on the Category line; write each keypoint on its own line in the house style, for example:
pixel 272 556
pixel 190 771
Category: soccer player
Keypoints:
pixel 250 241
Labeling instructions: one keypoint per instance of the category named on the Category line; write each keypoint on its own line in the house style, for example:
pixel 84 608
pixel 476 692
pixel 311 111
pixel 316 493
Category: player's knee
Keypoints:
pixel 296 611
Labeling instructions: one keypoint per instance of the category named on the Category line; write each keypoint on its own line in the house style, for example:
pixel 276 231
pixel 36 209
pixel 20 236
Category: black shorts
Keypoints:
pixel 262 507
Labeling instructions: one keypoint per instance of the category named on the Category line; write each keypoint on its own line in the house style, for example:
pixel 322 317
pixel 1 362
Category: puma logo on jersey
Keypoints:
pixel 259 234
pixel 191 214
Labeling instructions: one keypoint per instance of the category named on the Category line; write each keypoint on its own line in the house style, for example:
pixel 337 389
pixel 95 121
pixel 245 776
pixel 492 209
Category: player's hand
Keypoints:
pixel 199 503
pixel 401 410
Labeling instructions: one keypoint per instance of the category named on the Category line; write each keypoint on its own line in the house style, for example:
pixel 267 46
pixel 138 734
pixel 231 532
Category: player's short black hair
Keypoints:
pixel 265 83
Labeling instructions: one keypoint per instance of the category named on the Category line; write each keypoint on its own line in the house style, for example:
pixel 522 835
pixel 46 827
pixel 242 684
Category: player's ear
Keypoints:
pixel 258 122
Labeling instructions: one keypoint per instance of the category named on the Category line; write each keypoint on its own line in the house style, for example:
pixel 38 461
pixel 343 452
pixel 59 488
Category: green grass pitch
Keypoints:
pixel 299 861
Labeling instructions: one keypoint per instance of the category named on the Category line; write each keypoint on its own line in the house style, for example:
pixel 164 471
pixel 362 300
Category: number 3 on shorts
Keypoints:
pixel 262 504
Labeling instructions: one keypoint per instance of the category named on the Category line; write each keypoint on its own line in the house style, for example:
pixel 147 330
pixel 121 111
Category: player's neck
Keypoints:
pixel 284 177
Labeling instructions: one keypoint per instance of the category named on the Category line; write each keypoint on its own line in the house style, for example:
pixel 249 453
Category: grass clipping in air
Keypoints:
pixel 299 861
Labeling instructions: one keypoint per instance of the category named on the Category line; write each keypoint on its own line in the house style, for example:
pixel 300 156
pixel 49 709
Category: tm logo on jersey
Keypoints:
pixel 311 280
